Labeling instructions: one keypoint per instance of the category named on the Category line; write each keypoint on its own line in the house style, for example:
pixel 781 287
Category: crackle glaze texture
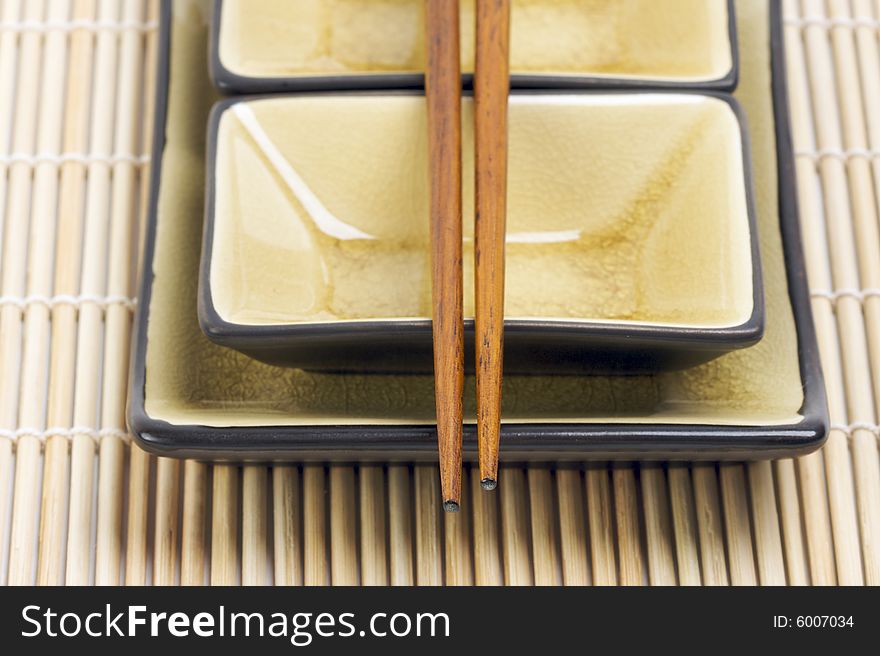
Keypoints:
pixel 621 207
pixel 684 40
pixel 189 380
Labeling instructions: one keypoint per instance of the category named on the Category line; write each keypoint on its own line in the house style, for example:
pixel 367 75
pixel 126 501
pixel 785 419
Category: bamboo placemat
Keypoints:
pixel 80 505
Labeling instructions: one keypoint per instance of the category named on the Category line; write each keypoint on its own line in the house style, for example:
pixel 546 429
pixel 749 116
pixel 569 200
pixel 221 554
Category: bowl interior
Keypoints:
pixel 684 40
pixel 622 208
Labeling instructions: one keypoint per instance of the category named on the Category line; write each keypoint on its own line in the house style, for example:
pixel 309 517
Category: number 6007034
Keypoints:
pixel 813 622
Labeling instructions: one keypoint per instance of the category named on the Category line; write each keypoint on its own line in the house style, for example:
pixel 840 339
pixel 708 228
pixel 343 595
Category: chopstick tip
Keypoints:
pixel 451 506
pixel 488 484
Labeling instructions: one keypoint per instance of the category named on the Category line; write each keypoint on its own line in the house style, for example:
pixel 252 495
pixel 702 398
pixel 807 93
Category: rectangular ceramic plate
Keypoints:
pixel 192 398
pixel 632 243
pixel 273 45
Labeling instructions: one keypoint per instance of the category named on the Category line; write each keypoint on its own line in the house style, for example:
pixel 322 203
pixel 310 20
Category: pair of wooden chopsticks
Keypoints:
pixel 443 91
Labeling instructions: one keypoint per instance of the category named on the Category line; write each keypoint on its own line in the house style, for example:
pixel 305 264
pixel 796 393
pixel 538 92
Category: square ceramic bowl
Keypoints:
pixel 263 46
pixel 631 240
pixel 192 398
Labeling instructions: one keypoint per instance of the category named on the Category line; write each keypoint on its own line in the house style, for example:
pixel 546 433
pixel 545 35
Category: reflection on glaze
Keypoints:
pixel 621 208
pixel 543 237
pixel 323 219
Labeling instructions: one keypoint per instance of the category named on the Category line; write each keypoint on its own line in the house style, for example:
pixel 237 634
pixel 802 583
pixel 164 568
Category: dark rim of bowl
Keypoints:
pixel 545 442
pixel 245 336
pixel 230 82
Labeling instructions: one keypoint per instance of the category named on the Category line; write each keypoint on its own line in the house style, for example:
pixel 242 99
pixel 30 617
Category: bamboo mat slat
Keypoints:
pixel 80 504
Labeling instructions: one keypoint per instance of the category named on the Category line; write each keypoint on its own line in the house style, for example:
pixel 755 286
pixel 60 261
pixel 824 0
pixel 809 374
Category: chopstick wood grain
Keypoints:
pixel 443 92
pixel 491 88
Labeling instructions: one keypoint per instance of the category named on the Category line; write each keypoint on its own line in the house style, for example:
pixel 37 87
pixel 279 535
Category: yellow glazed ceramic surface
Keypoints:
pixel 682 40
pixel 625 208
pixel 189 380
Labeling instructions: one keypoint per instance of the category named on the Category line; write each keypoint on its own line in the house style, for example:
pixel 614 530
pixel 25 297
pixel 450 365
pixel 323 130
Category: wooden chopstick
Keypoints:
pixel 443 92
pixel 491 88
